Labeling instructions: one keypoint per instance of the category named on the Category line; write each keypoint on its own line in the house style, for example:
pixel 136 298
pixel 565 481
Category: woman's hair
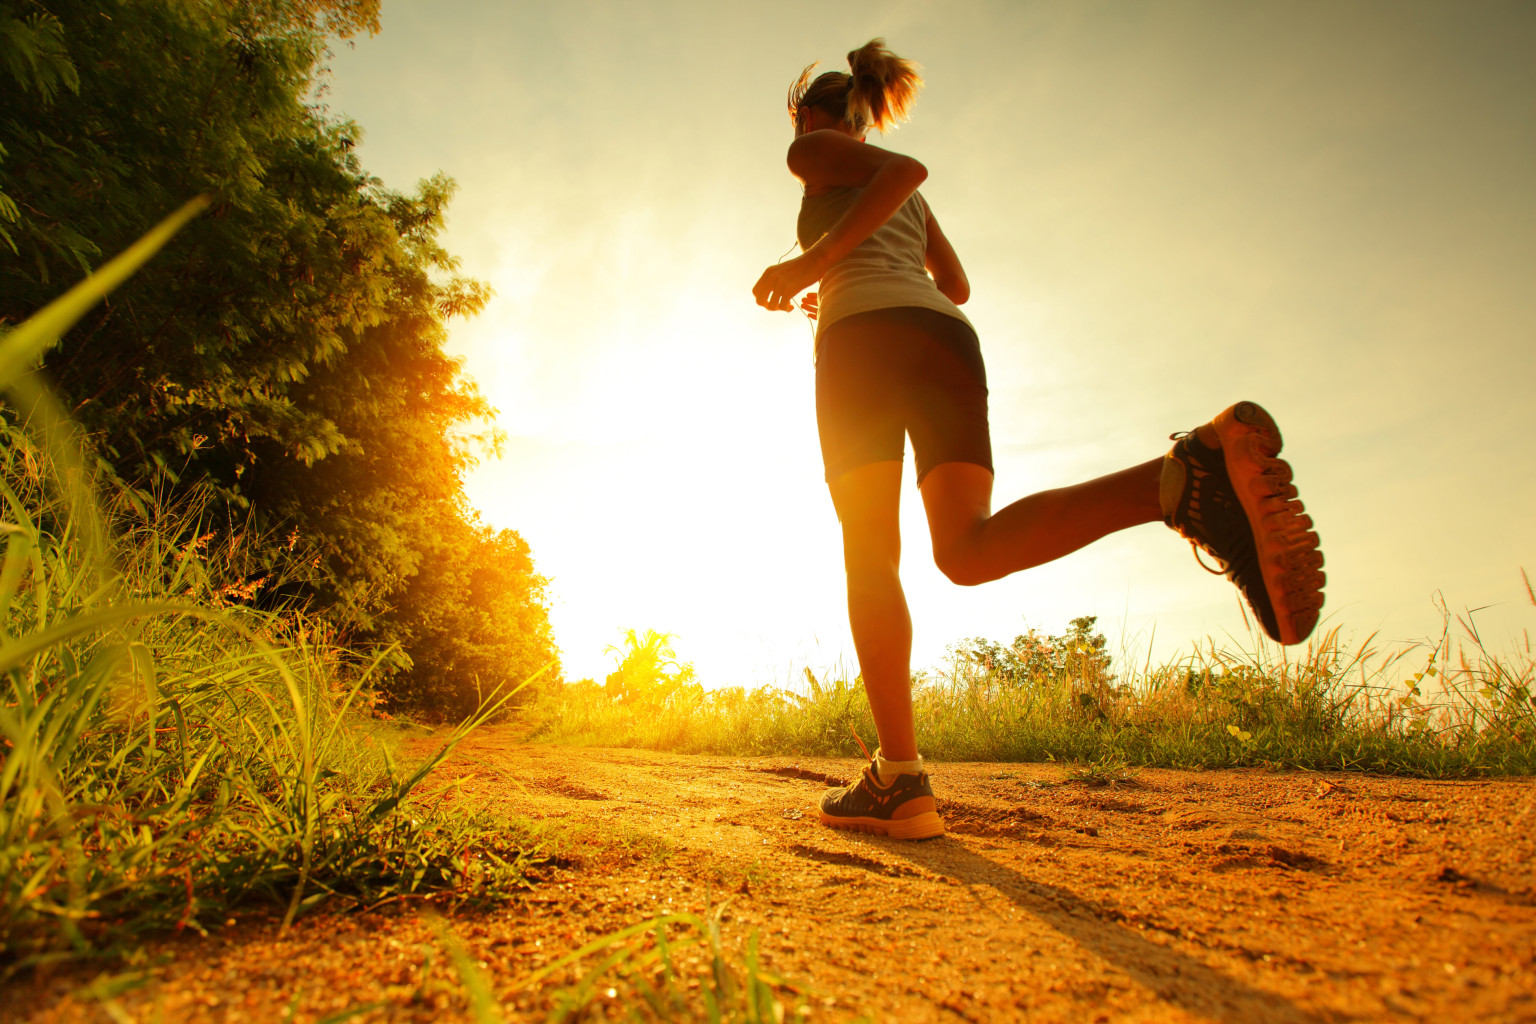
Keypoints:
pixel 877 91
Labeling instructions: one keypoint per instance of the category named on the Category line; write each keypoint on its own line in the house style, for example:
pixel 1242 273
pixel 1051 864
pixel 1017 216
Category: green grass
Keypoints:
pixel 171 752
pixel 670 968
pixel 1446 708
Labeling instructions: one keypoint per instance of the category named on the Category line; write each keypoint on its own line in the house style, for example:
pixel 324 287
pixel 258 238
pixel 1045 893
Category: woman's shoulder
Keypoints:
pixel 817 191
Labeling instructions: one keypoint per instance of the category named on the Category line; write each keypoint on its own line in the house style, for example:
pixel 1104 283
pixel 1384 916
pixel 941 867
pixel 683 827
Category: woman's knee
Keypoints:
pixel 871 553
pixel 961 566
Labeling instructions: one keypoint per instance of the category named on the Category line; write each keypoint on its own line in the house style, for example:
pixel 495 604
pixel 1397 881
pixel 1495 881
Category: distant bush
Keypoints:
pixel 1080 654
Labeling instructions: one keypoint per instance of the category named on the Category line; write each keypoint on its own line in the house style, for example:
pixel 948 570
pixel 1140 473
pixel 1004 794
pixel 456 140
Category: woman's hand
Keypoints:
pixel 780 283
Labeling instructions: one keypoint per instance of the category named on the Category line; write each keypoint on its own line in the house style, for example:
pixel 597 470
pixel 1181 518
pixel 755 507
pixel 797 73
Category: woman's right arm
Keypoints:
pixel 829 159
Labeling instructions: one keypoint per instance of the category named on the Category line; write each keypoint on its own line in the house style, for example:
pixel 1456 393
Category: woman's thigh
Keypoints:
pixel 957 498
pixel 868 503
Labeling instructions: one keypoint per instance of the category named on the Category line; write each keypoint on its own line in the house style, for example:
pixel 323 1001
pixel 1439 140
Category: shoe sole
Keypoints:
pixel 1289 553
pixel 919 826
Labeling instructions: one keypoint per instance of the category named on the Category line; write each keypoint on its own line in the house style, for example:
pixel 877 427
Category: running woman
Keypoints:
pixel 895 356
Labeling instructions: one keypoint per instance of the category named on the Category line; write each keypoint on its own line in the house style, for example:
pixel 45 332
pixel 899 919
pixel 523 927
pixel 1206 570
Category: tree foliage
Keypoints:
pixel 648 670
pixel 288 349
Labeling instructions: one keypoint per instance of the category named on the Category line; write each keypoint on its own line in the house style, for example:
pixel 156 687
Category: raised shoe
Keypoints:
pixel 1225 489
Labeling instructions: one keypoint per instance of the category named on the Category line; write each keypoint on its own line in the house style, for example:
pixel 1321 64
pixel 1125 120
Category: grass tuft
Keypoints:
pixel 668 968
pixel 167 758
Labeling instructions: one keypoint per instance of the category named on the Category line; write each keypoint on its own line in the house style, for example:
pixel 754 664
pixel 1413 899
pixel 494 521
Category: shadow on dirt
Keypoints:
pixel 794 771
pixel 1174 977
pixel 852 860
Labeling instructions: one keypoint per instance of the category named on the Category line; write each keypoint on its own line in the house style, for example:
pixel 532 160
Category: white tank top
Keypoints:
pixel 882 272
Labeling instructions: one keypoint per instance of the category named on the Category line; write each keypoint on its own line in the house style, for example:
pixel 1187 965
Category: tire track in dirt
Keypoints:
pixel 1238 896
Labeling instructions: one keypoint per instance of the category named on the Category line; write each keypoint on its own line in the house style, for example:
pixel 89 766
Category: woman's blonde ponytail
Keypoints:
pixel 877 92
pixel 882 87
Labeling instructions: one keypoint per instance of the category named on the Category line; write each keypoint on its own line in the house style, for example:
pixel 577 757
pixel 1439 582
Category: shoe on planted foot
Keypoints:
pixel 1226 491
pixel 902 808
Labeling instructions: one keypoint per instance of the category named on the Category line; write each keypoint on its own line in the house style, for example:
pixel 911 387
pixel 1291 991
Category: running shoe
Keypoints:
pixel 1227 493
pixel 902 808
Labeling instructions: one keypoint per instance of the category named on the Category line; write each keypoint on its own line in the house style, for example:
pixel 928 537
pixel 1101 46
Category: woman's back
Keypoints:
pixel 885 271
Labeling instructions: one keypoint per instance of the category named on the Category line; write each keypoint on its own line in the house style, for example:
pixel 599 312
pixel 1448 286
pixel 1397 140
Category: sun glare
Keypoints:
pixel 690 494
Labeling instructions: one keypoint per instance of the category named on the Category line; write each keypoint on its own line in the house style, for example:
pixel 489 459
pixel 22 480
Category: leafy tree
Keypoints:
pixel 33 54
pixel 287 350
pixel 648 669
pixel 472 619
pixel 196 358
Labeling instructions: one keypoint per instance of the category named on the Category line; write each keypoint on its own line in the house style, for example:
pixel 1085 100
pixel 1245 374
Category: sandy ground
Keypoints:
pixel 1227 896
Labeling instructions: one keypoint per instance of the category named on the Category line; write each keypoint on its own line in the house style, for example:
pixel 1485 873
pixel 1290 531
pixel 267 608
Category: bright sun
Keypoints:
pixel 677 487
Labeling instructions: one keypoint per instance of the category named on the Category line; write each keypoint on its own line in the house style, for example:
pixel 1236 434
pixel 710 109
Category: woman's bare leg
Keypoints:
pixel 971 546
pixel 868 503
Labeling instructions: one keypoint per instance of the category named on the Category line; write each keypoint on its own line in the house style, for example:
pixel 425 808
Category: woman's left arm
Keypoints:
pixel 944 265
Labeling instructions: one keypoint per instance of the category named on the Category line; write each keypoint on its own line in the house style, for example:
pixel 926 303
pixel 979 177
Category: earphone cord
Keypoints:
pixel 796 302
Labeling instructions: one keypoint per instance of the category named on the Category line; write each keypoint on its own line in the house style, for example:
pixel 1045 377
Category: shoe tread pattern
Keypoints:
pixel 1288 549
pixel 1240 505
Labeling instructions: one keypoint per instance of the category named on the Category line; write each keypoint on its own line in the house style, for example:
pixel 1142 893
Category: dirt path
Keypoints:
pixel 1180 896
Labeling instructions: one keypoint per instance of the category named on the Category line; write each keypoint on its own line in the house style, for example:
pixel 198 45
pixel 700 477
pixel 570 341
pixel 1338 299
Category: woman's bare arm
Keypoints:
pixel 944 265
pixel 829 159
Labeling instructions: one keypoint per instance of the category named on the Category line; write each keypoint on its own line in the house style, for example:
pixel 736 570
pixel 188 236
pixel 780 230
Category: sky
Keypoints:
pixel 1163 208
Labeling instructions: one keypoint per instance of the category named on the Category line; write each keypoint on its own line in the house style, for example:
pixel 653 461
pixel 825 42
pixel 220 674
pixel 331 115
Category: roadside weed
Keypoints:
pixel 646 972
pixel 1106 771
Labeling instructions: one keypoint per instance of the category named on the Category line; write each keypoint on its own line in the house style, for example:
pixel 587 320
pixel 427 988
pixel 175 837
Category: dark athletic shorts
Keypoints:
pixel 891 372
